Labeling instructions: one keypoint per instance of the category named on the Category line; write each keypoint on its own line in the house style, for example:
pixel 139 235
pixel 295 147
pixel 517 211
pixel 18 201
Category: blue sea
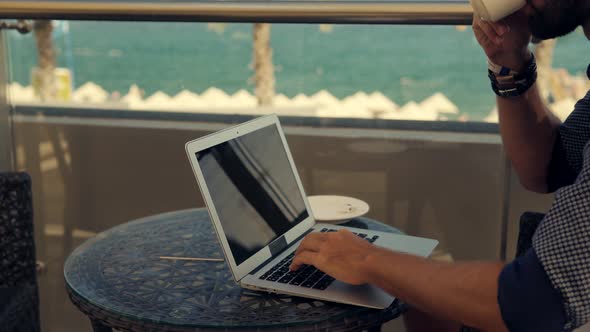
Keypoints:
pixel 403 62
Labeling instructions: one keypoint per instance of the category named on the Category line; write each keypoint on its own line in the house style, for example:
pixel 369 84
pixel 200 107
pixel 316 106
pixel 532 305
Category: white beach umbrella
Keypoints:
pixel 410 107
pixel 281 100
pixel 19 93
pixel 337 111
pixel 90 92
pixel 302 100
pixel 411 111
pixel 440 103
pixel 357 101
pixel 579 88
pixel 324 99
pixel 215 97
pixel 359 97
pixel 493 116
pixel 379 102
pixel 133 98
pixel 243 98
pixel 354 106
pixel 187 100
pixel 563 108
pixel 300 105
pixel 158 100
pixel 297 110
pixel 403 113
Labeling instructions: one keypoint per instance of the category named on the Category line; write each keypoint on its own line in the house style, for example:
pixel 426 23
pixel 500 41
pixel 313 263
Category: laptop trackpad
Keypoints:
pixel 364 295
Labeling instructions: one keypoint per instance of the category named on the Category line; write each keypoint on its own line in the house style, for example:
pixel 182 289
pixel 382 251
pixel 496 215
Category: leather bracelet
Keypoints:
pixel 509 83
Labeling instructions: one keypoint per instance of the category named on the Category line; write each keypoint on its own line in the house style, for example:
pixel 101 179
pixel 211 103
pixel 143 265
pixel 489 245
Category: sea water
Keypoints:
pixel 405 63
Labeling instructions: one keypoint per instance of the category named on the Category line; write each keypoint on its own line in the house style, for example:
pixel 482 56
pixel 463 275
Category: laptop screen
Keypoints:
pixel 253 189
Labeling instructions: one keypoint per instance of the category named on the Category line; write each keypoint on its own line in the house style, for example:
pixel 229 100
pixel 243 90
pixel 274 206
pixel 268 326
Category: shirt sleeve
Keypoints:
pixel 562 244
pixel 572 137
pixel 560 172
pixel 527 299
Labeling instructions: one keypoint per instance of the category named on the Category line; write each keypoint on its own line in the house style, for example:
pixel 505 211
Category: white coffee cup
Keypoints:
pixel 495 10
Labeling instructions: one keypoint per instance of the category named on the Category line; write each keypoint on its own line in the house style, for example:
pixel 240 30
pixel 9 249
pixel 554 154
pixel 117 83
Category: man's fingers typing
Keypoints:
pixel 312 242
pixel 303 258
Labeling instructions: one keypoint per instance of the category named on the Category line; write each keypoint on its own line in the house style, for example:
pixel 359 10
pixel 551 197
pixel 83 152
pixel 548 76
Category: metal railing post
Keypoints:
pixel 7 162
pixel 506 199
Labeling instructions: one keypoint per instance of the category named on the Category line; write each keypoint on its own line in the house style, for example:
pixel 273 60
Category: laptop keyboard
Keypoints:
pixel 307 276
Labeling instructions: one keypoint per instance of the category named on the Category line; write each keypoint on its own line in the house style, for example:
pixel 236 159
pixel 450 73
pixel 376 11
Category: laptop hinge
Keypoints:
pixel 277 246
pixel 275 252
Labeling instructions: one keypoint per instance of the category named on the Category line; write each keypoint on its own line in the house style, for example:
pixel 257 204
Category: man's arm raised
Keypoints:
pixel 527 126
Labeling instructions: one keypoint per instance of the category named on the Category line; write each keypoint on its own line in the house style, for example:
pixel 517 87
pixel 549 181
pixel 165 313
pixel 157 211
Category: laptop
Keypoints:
pixel 260 213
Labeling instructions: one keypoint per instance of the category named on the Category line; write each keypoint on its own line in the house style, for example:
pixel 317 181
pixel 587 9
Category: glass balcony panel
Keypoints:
pixel 399 116
pixel 415 72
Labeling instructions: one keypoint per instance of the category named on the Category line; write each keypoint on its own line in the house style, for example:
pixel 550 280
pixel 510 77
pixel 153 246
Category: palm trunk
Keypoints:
pixel 545 78
pixel 46 60
pixel 263 67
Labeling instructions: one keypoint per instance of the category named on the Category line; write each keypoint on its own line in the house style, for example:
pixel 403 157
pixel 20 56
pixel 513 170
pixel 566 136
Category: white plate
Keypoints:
pixel 336 209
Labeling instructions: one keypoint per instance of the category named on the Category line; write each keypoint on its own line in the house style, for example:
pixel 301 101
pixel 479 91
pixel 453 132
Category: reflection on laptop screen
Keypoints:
pixel 253 189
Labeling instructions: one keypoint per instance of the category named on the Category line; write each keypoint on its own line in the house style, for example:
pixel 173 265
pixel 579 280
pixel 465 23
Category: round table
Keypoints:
pixel 119 281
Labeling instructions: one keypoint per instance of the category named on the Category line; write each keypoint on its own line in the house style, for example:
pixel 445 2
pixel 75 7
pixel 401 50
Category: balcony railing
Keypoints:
pixel 368 12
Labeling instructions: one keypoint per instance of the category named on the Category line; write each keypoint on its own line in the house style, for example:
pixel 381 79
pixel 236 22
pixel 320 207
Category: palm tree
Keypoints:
pixel 544 57
pixel 45 77
pixel 263 67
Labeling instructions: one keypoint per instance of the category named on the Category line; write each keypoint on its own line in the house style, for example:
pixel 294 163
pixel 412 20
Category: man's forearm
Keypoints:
pixel 462 292
pixel 528 131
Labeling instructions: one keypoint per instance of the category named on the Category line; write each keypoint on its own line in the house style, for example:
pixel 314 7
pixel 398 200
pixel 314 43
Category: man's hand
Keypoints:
pixel 505 42
pixel 339 254
pixel 460 292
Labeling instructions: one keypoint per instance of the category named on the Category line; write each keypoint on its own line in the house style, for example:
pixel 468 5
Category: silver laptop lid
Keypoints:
pixel 252 190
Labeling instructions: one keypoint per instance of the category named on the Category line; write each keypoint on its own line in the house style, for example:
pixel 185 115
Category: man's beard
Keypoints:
pixel 556 19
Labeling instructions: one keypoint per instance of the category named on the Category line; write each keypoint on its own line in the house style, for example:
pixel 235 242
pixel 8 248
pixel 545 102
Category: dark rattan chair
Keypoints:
pixel 19 299
pixel 529 222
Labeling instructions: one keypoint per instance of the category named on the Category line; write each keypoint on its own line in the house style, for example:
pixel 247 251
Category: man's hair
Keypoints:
pixel 557 18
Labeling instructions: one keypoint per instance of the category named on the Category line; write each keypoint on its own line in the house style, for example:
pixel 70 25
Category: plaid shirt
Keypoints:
pixel 562 241
pixel 548 288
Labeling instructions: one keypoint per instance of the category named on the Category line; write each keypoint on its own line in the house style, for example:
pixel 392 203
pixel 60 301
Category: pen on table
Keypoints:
pixel 196 259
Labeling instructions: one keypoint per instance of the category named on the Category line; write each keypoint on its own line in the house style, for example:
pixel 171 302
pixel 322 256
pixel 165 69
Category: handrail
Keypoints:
pixel 455 12
pixel 45 112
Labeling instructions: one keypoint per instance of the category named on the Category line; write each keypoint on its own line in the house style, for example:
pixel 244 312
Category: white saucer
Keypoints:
pixel 336 209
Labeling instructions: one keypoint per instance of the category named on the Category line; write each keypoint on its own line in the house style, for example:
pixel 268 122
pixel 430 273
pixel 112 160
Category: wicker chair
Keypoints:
pixel 529 222
pixel 19 299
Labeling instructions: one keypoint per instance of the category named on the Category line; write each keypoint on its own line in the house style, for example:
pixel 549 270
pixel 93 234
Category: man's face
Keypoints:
pixel 556 18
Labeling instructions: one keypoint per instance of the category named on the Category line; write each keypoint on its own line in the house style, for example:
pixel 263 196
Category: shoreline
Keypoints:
pixel 564 88
pixel 374 105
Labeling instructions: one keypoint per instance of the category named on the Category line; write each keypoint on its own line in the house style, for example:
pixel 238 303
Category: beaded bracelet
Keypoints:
pixel 509 83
